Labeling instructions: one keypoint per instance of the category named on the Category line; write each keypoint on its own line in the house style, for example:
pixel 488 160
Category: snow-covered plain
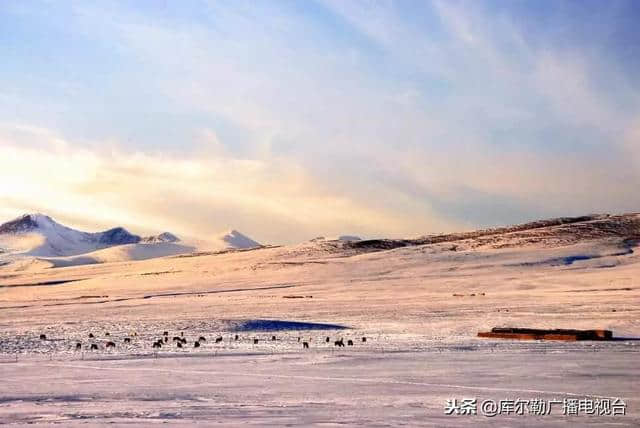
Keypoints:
pixel 421 346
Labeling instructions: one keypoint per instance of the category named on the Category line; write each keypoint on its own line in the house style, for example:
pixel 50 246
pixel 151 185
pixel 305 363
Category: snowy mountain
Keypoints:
pixel 236 240
pixel 39 235
pixel 163 237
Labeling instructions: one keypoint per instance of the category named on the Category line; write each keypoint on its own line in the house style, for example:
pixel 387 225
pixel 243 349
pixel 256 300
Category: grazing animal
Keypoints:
pixel 305 345
pixel 196 344
pixel 237 337
pixel 91 336
pixel 166 339
pixel 364 339
pixel 111 345
pixel 107 334
pixel 166 333
pixel 127 340
pixel 179 344
pixel 181 333
pixel 218 339
pixel 273 338
pixel 202 339
pixel 43 337
pixel 327 339
pixel 184 341
pixel 78 346
pixel 93 347
pixel 157 344
pixel 338 343
pixel 176 338
pixel 255 341
pixel 350 342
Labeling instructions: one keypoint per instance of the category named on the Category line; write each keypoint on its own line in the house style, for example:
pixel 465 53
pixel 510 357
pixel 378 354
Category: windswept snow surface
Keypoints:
pixel 419 306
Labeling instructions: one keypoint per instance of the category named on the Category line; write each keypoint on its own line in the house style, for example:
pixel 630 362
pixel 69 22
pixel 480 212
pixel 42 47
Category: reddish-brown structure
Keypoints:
pixel 543 334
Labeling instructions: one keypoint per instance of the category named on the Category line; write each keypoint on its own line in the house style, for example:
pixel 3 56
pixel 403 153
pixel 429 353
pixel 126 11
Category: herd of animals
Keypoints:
pixel 181 341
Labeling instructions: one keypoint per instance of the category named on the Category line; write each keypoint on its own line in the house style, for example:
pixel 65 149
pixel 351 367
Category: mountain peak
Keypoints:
pixel 163 237
pixel 118 236
pixel 26 223
pixel 235 239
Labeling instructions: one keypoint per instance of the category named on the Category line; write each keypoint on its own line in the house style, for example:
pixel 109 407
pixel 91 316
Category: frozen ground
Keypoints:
pixel 419 306
pixel 324 388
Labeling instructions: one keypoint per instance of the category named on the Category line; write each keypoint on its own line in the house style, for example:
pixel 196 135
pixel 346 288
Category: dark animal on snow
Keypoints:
pixel 305 345
pixel 43 337
pixel 202 339
pixel 181 333
pixel 364 339
pixel 350 342
pixel 91 336
pixel 219 339
pixel 338 343
pixel 298 338
pixel 255 341
pixel 107 334
pixel 166 339
pixel 179 344
pixel 157 344
pixel 78 346
pixel 237 337
pixel 176 338
pixel 110 345
pixel 127 340
pixel 327 339
pixel 166 333
pixel 93 347
pixel 184 341
pixel 196 344
pixel 273 338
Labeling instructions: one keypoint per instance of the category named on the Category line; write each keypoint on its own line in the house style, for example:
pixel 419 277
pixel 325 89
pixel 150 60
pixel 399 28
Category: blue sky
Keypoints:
pixel 291 119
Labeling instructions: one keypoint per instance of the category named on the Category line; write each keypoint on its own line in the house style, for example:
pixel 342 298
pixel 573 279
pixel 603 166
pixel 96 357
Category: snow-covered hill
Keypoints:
pixel 163 237
pixel 41 236
pixel 38 236
pixel 151 247
pixel 235 239
pixel 123 253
